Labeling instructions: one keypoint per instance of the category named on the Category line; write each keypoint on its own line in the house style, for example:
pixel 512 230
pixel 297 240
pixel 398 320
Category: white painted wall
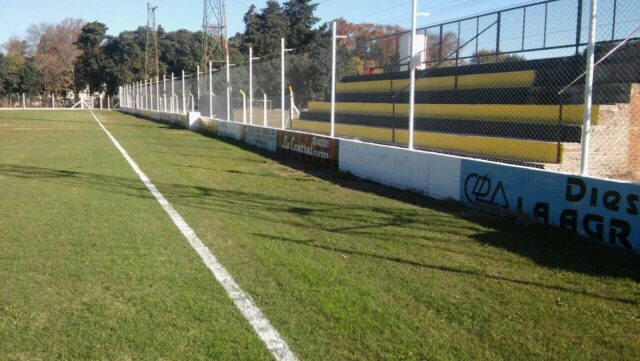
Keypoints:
pixel 265 138
pixel 230 130
pixel 434 175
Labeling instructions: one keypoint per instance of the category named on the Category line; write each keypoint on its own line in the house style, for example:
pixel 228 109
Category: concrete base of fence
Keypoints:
pixel 192 119
pixel 605 210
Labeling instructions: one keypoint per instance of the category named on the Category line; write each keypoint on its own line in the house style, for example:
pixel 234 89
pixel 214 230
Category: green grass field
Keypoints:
pixel 92 268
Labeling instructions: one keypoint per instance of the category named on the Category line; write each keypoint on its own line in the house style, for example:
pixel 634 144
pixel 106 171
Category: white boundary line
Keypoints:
pixel 269 335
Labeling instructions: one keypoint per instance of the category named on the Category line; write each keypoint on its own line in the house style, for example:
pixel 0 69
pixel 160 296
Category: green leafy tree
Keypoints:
pixel 273 26
pixel 4 69
pixel 90 66
pixel 252 27
pixel 182 50
pixel 30 78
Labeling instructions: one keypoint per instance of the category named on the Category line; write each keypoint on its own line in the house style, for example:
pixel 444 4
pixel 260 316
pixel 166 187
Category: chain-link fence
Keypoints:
pixel 43 101
pixel 507 86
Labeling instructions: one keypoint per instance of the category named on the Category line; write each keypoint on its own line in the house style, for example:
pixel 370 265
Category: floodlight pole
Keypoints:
pixel 588 92
pixel 334 41
pixel 184 96
pixel 414 62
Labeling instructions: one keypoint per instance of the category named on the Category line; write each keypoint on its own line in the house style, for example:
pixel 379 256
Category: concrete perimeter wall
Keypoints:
pixel 605 210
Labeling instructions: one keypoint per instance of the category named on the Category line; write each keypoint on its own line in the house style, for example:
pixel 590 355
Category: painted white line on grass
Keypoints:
pixel 269 335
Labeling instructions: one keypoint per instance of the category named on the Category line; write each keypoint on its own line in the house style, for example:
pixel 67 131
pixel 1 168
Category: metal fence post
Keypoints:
pixel 334 27
pixel 151 94
pixel 146 93
pixel 250 85
pixel 579 27
pixel 184 96
pixel 173 93
pixel 412 71
pixel 198 84
pixel 164 92
pixel 210 89
pixel 588 91
pixel 413 64
pixel 244 107
pixel 282 84
pixel 264 108
pixel 157 92
pixel 228 88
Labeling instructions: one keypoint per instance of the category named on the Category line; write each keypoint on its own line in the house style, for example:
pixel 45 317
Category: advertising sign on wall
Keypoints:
pixel 604 210
pixel 308 146
pixel 265 138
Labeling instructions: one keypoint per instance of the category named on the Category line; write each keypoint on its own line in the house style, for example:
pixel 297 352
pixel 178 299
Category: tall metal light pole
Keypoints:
pixel 588 92
pixel 334 61
pixel 413 64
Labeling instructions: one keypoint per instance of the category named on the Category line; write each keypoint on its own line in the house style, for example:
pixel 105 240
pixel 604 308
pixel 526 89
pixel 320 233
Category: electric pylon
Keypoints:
pixel 214 28
pixel 152 35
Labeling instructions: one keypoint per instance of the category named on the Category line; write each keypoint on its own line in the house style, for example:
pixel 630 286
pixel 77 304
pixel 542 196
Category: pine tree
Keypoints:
pixel 301 21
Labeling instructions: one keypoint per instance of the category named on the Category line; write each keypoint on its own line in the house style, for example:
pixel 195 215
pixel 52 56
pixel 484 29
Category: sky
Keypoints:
pixel 119 15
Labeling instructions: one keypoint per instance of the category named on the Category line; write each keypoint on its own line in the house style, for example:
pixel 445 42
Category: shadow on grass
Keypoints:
pixel 546 246
pixel 444 268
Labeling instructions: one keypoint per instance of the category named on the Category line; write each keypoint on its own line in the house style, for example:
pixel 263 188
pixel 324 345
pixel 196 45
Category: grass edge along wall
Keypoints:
pixel 605 210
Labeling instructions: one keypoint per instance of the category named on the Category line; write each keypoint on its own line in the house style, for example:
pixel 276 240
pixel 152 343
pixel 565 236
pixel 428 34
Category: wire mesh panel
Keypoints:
pixel 266 105
pixel 614 136
pixel 43 101
pixel 507 86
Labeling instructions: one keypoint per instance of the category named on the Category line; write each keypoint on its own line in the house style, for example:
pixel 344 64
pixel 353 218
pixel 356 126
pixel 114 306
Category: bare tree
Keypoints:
pixel 441 52
pixel 55 52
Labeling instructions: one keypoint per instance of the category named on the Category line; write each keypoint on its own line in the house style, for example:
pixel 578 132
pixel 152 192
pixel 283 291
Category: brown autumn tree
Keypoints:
pixel 55 53
pixel 370 43
pixel 440 54
pixel 16 53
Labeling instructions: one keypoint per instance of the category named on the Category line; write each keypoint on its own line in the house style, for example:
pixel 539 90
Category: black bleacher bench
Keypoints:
pixel 549 72
pixel 528 131
pixel 602 94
